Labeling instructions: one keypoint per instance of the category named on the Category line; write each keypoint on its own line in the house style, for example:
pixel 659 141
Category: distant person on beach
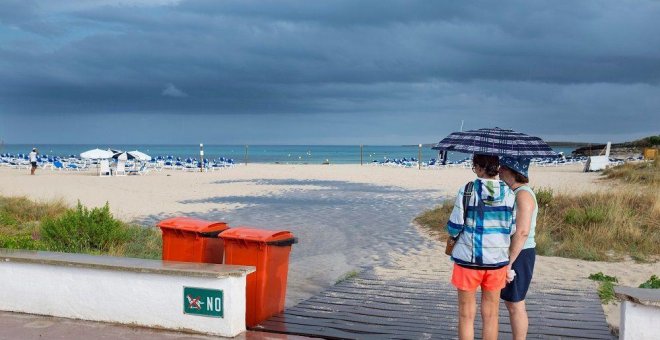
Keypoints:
pixel 33 160
pixel 481 252
pixel 522 255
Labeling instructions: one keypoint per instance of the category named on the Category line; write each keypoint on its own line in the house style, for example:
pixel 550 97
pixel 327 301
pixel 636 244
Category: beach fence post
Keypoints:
pixel 246 155
pixel 201 157
pixel 361 150
pixel 419 157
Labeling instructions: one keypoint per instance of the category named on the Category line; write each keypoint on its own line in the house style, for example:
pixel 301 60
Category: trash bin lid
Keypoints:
pixel 257 235
pixel 192 224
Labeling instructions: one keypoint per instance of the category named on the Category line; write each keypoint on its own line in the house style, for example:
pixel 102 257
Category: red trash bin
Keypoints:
pixel 268 251
pixel 192 240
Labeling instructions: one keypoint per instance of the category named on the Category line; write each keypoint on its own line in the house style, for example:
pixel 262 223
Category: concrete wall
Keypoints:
pixel 639 322
pixel 146 299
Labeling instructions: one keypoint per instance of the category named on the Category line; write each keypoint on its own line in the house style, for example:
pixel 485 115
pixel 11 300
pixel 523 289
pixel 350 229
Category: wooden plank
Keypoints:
pixel 356 326
pixel 424 307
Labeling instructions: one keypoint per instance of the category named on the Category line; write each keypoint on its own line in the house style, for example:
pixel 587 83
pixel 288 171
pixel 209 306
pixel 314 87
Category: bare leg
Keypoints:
pixel 467 310
pixel 519 321
pixel 490 310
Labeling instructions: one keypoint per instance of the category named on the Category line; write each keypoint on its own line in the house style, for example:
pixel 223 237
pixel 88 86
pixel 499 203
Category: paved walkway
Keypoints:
pixel 36 327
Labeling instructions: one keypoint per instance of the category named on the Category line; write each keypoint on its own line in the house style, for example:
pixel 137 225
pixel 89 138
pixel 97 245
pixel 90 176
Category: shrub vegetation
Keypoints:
pixel 646 173
pixel 653 283
pixel 25 224
pixel 606 287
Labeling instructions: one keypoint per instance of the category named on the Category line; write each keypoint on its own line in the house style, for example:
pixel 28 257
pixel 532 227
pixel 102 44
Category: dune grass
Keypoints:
pixel 53 226
pixel 644 173
pixel 606 226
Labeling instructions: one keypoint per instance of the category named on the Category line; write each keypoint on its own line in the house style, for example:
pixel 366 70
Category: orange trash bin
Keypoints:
pixel 268 251
pixel 192 240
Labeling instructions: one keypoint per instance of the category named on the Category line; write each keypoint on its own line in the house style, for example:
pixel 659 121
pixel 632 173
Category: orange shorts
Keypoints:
pixel 469 279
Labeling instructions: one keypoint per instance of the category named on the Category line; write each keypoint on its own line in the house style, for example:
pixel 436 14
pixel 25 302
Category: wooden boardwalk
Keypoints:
pixel 368 307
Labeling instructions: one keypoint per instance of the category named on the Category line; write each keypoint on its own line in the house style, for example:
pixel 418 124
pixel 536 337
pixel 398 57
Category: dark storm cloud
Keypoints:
pixel 586 61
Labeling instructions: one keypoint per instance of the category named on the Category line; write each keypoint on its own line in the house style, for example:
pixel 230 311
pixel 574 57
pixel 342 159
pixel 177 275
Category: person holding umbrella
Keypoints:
pixel 471 225
pixel 522 254
pixel 481 224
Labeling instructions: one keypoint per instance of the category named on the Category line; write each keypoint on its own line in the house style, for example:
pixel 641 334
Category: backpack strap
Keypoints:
pixel 467 194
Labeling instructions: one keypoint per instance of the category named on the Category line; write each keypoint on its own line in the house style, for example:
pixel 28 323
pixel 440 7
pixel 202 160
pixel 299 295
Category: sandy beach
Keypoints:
pixel 296 197
pixel 162 193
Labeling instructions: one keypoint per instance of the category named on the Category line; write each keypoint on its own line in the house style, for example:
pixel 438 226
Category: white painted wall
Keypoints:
pixel 146 299
pixel 639 322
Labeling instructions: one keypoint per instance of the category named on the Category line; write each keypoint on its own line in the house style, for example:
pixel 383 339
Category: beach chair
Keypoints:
pixel 121 168
pixel 58 165
pixel 72 167
pixel 104 168
pixel 143 170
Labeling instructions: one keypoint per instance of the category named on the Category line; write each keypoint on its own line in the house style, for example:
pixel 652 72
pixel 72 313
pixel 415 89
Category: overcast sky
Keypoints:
pixel 326 72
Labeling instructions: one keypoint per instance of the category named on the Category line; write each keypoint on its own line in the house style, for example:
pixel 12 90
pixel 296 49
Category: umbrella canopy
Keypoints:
pixel 96 154
pixel 499 142
pixel 123 156
pixel 140 156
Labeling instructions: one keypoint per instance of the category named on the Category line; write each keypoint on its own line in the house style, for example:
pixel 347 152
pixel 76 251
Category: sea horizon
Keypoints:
pixel 258 153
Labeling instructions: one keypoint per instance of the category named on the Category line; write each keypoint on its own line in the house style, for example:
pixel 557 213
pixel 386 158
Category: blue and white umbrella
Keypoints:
pixel 496 141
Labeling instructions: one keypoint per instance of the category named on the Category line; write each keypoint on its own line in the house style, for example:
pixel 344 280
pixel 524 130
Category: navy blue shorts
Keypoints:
pixel 524 267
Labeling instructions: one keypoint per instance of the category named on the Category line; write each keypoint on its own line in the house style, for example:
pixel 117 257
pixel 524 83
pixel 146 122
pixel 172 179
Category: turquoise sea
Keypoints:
pixel 285 154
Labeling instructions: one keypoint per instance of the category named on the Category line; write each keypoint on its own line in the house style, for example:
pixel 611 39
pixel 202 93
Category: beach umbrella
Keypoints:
pixel 96 154
pixel 122 156
pixel 496 141
pixel 140 156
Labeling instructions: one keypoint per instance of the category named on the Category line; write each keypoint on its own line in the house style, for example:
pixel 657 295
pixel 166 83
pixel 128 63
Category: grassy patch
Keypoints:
pixel 600 226
pixel 436 218
pixel 22 209
pixel 25 224
pixel 347 276
pixel 145 243
pixel 646 173
pixel 606 288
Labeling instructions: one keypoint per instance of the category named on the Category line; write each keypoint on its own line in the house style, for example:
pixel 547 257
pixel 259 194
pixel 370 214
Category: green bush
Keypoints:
pixel 6 219
pixel 83 230
pixel 574 216
pixel 606 289
pixel 603 278
pixel 606 292
pixel 653 282
pixel 543 196
pixel 19 242
pixel 595 214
